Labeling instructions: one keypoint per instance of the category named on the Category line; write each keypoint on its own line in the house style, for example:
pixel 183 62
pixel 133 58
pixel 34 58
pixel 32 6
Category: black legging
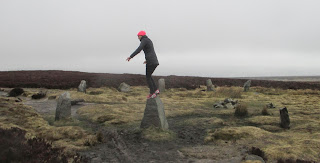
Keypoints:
pixel 149 70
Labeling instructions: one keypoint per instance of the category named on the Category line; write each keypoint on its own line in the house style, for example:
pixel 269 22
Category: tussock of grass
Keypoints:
pixel 304 92
pixel 293 146
pixel 65 122
pixel 235 133
pixel 95 92
pixel 264 120
pixel 67 132
pixel 227 92
pixel 309 127
pixel 112 114
pixel 193 94
pixel 265 111
pixel 202 121
pixel 24 117
pixel 269 91
pixel 221 92
pixel 104 95
pixel 280 145
pixel 157 134
pixel 241 110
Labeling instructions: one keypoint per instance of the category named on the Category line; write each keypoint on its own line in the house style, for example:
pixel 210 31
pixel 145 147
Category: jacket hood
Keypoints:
pixel 143 37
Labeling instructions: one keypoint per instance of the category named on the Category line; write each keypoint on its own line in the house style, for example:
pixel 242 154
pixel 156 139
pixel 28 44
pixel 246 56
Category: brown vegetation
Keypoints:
pixel 14 147
pixel 71 79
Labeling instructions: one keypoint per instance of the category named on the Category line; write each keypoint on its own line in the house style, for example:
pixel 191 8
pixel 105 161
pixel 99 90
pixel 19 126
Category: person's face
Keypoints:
pixel 139 37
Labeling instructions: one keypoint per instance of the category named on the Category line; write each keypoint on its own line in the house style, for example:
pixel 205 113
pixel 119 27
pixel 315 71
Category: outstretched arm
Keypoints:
pixel 138 50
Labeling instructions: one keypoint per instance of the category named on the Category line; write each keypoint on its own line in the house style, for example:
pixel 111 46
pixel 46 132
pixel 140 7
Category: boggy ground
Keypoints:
pixel 109 124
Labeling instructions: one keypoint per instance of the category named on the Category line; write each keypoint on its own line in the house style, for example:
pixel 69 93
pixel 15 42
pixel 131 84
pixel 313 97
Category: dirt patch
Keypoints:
pixel 187 134
pixel 128 145
pixel 48 107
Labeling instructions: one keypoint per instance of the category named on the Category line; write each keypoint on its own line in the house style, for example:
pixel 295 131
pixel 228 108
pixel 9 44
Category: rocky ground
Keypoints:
pixel 127 145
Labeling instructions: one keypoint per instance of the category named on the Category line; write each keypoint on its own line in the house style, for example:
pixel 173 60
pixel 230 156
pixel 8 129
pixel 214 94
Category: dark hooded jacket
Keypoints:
pixel 147 46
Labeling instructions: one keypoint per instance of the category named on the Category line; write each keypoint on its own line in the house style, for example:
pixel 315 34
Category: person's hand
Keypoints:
pixel 145 62
pixel 128 59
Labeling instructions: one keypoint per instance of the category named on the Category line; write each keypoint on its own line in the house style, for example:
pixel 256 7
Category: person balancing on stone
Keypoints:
pixel 151 61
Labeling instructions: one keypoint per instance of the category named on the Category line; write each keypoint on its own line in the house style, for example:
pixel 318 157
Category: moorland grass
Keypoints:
pixel 301 141
pixel 17 115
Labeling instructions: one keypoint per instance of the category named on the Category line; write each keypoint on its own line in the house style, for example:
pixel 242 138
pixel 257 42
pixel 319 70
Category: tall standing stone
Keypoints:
pixel 284 118
pixel 247 85
pixel 154 114
pixel 63 110
pixel 210 86
pixel 124 87
pixel 162 85
pixel 83 86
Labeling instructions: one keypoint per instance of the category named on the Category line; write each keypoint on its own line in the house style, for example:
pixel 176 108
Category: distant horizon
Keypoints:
pixel 166 75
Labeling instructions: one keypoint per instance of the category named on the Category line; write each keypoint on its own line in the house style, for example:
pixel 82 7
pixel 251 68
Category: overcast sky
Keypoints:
pixel 213 38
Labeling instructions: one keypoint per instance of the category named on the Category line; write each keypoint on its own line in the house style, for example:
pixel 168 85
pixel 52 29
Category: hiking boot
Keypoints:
pixel 157 91
pixel 151 96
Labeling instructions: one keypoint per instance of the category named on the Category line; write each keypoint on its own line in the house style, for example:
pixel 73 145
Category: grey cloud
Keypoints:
pixel 201 38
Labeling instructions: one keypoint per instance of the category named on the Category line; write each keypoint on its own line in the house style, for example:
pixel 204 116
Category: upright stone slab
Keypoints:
pixel 210 86
pixel 83 86
pixel 154 114
pixel 63 110
pixel 284 118
pixel 247 85
pixel 162 85
pixel 124 87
